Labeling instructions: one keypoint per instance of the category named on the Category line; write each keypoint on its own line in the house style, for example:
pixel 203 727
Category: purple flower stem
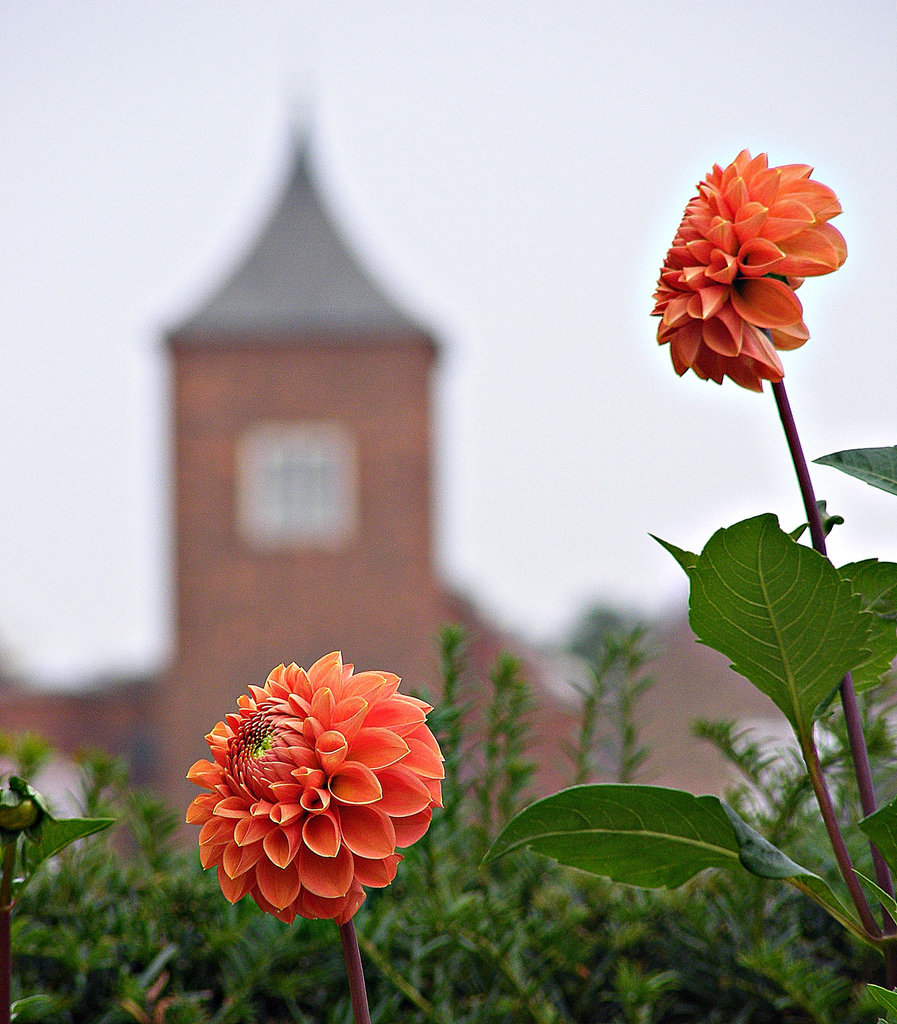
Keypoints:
pixel 852 718
pixel 354 969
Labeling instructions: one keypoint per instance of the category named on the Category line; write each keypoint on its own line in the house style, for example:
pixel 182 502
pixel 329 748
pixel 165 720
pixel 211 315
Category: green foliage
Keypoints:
pixel 881 828
pixel 781 613
pixel 876 466
pixel 608 743
pixel 886 999
pixel 876 583
pixel 127 927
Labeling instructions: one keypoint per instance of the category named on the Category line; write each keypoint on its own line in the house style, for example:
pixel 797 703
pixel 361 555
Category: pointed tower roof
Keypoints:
pixel 299 275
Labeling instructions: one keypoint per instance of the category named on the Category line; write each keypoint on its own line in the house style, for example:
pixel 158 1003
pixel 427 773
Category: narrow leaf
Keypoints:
pixel 876 583
pixel 884 898
pixel 876 466
pixel 31 1008
pixel 685 558
pixel 881 828
pixel 780 612
pixel 886 999
pixel 56 836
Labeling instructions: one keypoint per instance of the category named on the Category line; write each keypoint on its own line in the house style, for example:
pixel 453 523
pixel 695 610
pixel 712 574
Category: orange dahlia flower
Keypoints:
pixel 313 784
pixel 726 291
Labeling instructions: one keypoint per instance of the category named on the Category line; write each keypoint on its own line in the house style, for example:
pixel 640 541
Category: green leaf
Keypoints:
pixel 886 999
pixel 31 1008
pixel 884 898
pixel 781 613
pixel 56 836
pixel 685 558
pixel 881 828
pixel 652 837
pixel 761 858
pixel 877 466
pixel 876 583
pixel 640 835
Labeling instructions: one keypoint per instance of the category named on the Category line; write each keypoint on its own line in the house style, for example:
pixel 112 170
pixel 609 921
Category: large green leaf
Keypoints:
pixel 881 828
pixel 652 837
pixel 876 583
pixel 56 836
pixel 877 466
pixel 781 613
pixel 640 835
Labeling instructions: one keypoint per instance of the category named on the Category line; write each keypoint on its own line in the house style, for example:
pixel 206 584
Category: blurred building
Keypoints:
pixel 302 462
pixel 302 469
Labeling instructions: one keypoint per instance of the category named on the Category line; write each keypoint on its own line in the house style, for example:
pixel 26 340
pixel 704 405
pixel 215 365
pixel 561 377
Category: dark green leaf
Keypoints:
pixel 877 466
pixel 56 836
pixel 652 837
pixel 780 612
pixel 881 828
pixel 876 583
pixel 685 558
pixel 640 835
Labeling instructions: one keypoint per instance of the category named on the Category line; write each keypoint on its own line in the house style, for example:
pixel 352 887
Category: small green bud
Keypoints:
pixel 22 816
pixel 22 809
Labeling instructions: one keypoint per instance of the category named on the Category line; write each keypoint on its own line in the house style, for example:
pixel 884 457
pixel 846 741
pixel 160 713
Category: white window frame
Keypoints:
pixel 271 459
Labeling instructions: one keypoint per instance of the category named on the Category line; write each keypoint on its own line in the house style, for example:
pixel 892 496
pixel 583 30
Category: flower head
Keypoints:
pixel 313 784
pixel 726 291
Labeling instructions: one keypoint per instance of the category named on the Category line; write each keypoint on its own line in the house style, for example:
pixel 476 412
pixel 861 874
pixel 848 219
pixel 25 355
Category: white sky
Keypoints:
pixel 514 173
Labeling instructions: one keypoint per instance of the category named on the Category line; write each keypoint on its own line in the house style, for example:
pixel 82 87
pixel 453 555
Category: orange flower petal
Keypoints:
pixel 251 830
pixel 403 792
pixel 410 828
pixel 321 834
pixel 378 748
pixel 234 889
pixel 282 844
pixel 377 873
pixel 367 831
pixel 423 761
pixel 331 748
pixel 237 860
pixel 279 886
pixel 399 715
pixel 355 783
pixel 766 302
pixel 326 876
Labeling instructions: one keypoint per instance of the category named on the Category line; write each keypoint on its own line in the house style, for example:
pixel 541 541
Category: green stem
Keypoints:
pixel 9 857
pixel 354 969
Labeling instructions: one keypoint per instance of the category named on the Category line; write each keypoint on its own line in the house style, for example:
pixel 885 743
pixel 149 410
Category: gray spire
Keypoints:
pixel 299 274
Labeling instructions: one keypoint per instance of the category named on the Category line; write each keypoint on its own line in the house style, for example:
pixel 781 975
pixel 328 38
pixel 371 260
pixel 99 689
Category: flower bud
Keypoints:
pixel 22 809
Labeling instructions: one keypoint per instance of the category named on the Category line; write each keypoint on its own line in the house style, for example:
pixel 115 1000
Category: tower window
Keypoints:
pixel 296 484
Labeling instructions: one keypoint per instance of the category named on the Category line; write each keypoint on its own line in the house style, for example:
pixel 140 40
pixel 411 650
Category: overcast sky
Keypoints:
pixel 514 174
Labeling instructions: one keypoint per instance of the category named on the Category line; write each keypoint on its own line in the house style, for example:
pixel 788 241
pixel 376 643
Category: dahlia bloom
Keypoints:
pixel 726 290
pixel 313 784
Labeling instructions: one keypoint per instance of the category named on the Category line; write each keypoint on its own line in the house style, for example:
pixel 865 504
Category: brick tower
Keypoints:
pixel 302 460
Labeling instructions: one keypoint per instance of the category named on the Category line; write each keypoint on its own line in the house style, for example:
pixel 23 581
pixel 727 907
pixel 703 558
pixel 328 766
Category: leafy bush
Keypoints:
pixel 126 927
